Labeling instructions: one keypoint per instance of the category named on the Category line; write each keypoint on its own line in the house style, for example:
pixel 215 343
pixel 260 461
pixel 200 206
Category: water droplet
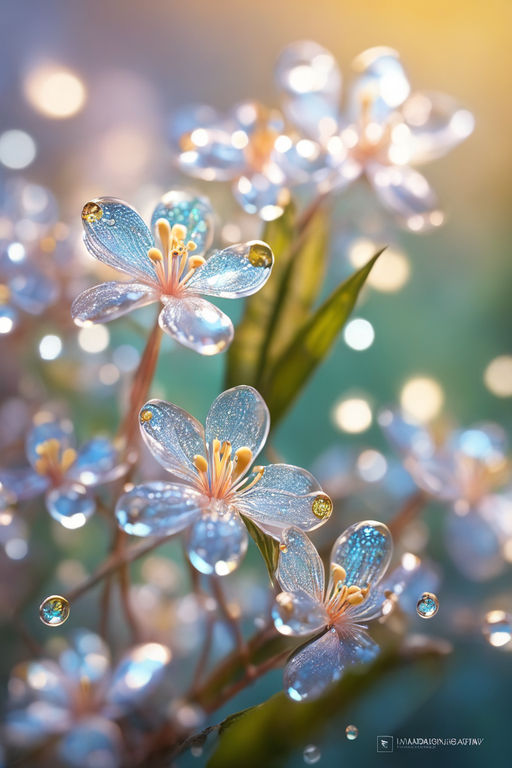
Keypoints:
pixel 427 606
pixel 311 754
pixel 92 212
pixel 497 629
pixel 351 732
pixel 111 222
pixel 283 547
pixel 260 254
pixel 196 751
pixel 146 415
pixel 54 610
pixel 322 507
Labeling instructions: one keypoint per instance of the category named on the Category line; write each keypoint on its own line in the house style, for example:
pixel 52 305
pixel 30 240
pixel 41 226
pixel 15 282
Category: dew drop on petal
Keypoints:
pixel 497 629
pixel 322 507
pixel 92 212
pixel 54 610
pixel 260 255
pixel 351 732
pixel 427 606
pixel 311 754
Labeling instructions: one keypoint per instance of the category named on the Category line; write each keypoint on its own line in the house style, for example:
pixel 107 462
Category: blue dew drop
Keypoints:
pixel 351 732
pixel 311 754
pixel 427 606
pixel 54 611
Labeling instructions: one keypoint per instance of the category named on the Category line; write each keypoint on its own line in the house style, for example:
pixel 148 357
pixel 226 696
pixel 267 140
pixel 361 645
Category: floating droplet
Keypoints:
pixel 427 606
pixel 322 507
pixel 497 629
pixel 54 610
pixel 351 732
pixel 311 754
pixel 260 254
pixel 92 212
pixel 196 751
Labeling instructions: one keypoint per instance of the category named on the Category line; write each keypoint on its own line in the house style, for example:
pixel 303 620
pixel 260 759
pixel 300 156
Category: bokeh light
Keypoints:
pixel 422 398
pixel 391 271
pixel 94 338
pixel 359 334
pixel 54 91
pixel 50 347
pixel 17 149
pixel 353 415
pixel 498 376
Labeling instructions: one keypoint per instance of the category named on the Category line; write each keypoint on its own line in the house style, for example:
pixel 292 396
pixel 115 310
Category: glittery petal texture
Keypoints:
pixel 300 568
pixel 357 647
pixel 286 477
pixel 70 505
pixel 364 550
pixel 237 271
pixel 217 541
pixel 111 300
pixel 158 509
pixel 192 211
pixel 276 510
pixel 313 668
pixel 240 416
pixel 297 613
pixel 197 324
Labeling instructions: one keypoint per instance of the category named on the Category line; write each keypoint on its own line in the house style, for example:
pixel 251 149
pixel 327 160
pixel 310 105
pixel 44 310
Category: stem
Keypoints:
pixel 231 621
pixel 411 507
pixel 124 588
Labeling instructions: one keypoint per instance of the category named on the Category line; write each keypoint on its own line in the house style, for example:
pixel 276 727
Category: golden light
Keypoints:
pixel 54 91
pixel 391 271
pixel 94 338
pixel 498 376
pixel 422 398
pixel 353 415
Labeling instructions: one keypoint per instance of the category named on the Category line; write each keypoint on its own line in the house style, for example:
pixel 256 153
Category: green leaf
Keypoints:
pixel 268 546
pixel 311 344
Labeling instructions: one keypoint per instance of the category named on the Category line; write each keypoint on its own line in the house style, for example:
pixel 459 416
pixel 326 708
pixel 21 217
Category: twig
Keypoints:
pixel 412 506
pixel 231 621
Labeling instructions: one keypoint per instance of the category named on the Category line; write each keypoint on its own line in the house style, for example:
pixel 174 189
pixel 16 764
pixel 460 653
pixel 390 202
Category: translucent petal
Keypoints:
pixel 97 462
pixel 186 119
pixel 61 430
pixel 32 290
pixel 207 151
pixel 296 613
pixel 196 323
pixel 257 121
pixel 87 658
pixel 70 504
pixel 277 510
pixel 474 544
pixel 173 436
pixel 382 79
pixel 239 416
pixel 111 300
pixel 264 193
pixel 116 235
pixel 23 483
pixel 136 675
pixel 158 509
pixel 407 194
pixel 299 567
pixel 406 435
pixel 217 541
pixel 42 680
pixel 357 647
pixel 192 211
pixel 237 271
pixel 313 668
pixel 437 124
pixel 364 550
pixel 286 477
pixel 407 581
pixel 437 476
pixel 305 160
pixel 485 442
pixel 35 723
pixel 92 742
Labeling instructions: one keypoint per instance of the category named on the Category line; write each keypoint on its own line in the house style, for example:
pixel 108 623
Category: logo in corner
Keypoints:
pixel 384 743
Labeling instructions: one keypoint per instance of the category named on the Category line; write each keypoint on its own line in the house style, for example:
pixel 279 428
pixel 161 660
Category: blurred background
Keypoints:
pixel 87 93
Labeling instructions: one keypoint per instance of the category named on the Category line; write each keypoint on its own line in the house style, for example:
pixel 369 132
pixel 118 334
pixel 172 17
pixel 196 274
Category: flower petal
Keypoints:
pixel 436 123
pixel 70 505
pixel 300 568
pixel 296 613
pixel 237 271
pixel 286 477
pixel 263 192
pixel 35 723
pixel 136 675
pixel 276 510
pixel 97 462
pixel 407 581
pixel 192 211
pixel 314 667
pixel 87 658
pixel 405 434
pixel 60 430
pixel 474 543
pixel 209 153
pixel 90 742
pixel 115 234
pixel 407 194
pixel 217 542
pixel 22 484
pixel 111 300
pixel 173 436
pixel 382 78
pixel 239 416
pixel 197 324
pixel 158 509
pixel 364 550
pixel 357 647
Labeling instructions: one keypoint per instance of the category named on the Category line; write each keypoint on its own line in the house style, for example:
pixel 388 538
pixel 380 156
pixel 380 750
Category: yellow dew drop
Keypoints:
pixel 260 254
pixel 322 507
pixel 92 212
pixel 283 548
pixel 146 415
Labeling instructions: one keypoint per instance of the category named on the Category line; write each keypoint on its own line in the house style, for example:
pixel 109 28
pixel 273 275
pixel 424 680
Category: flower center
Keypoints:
pixel 54 460
pixel 174 265
pixel 220 473
pixel 373 138
pixel 343 596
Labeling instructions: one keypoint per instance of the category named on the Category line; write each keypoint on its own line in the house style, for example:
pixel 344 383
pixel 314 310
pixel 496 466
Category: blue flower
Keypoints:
pixel 78 697
pixel 61 472
pixel 354 595
pixel 462 470
pixel 384 131
pixel 217 484
pixel 176 275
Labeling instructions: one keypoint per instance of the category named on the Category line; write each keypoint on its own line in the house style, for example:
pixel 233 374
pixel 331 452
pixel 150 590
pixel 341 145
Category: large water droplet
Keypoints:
pixel 427 606
pixel 351 732
pixel 54 610
pixel 311 754
pixel 497 629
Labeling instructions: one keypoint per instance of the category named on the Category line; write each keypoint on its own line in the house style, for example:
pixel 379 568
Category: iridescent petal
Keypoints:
pixel 196 323
pixel 87 658
pixel 299 567
pixel 364 550
pixel 405 434
pixel 97 462
pixel 35 723
pixel 43 680
pixel 136 675
pixel 60 430
pixel 70 504
pixel 116 235
pixel 276 510
pixel 286 477
pixel 436 123
pixel 357 647
pixel 93 742
pixel 32 290
pixel 407 194
pixel 23 483
pixel 296 613
pixel 209 153
pixel 314 667
pixel 485 442
pixel 217 541
pixel 192 211
pixel 237 271
pixel 264 193
pixel 474 544
pixel 186 119
pixel 240 417
pixel 437 476
pixel 111 300
pixel 158 509
pixel 173 436
pixel 382 80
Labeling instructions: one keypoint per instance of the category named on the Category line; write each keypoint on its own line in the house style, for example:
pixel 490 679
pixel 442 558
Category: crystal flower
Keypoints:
pixel 355 594
pixel 462 470
pixel 176 275
pixel 61 472
pixel 385 130
pixel 252 148
pixel 24 286
pixel 76 699
pixel 218 485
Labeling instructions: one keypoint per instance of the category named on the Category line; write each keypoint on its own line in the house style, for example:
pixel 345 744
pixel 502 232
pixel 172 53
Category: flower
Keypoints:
pixel 385 130
pixel 176 275
pixel 461 470
pixel 354 594
pixel 250 147
pixel 78 697
pixel 217 485
pixel 61 472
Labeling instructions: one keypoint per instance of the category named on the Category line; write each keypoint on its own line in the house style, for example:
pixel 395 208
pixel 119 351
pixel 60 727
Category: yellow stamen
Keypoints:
pixel 355 599
pixel 200 463
pixel 155 255
pixel 338 573
pixel 68 458
pixel 352 589
pixel 243 458
pixel 164 233
pixel 196 261
pixel 179 232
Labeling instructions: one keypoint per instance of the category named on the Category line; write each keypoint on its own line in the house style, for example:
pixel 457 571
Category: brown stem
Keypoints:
pixel 124 589
pixel 308 213
pixel 231 621
pixel 412 506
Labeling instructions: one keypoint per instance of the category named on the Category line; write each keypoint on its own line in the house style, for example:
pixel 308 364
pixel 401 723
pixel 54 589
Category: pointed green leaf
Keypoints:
pixel 268 546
